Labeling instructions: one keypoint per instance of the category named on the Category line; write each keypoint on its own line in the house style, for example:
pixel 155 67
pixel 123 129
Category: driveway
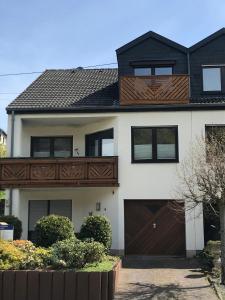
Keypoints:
pixel 165 278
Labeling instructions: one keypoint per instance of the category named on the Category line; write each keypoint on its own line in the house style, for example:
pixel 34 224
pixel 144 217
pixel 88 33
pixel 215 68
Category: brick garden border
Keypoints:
pixel 58 285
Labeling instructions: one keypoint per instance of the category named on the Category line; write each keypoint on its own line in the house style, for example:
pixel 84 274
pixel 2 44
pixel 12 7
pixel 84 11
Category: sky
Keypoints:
pixel 51 34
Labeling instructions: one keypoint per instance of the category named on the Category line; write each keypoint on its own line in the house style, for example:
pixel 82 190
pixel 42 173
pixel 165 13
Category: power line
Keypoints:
pixel 9 93
pixel 22 73
pixel 39 72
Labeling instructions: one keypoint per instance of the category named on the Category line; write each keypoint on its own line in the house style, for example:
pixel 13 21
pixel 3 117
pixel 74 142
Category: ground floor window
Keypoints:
pixel 40 208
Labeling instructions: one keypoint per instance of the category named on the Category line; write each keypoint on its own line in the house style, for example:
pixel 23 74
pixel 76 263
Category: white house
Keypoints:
pixel 110 142
pixel 3 137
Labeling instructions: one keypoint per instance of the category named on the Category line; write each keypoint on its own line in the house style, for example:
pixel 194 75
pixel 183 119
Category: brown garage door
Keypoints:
pixel 152 227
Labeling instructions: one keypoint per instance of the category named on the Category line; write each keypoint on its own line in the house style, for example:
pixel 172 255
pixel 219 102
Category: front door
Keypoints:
pixel 152 227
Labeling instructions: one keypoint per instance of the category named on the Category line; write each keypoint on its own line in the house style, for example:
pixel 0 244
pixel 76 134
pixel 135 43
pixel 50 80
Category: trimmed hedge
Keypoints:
pixel 73 253
pixel 12 220
pixel 53 228
pixel 97 228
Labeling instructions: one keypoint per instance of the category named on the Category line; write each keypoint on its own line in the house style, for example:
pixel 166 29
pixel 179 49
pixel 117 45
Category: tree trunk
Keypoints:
pixel 222 238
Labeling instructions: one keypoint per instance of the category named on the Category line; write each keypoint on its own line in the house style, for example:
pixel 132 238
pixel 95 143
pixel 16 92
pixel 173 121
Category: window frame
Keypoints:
pixel 153 67
pixel 221 80
pixel 99 135
pixel 51 138
pixel 154 145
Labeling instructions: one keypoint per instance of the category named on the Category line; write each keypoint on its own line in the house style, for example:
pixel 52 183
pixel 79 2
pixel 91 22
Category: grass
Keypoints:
pixel 105 266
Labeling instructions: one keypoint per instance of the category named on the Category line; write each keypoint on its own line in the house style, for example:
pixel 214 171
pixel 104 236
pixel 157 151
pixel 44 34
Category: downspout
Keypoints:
pixel 11 155
pixel 189 73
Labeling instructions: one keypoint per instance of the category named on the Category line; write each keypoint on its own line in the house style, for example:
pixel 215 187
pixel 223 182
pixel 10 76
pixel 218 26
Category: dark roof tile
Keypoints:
pixel 70 88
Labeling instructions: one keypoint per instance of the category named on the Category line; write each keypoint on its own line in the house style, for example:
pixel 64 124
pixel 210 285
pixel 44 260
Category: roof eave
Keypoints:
pixel 207 40
pixel 151 34
pixel 134 108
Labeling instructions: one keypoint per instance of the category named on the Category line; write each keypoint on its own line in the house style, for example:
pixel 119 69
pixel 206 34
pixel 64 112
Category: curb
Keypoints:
pixel 216 289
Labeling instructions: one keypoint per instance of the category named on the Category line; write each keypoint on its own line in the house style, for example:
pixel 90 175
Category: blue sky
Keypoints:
pixel 37 35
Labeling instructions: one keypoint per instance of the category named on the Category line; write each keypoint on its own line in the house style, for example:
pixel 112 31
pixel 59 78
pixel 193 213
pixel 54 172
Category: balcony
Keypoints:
pixel 163 89
pixel 58 172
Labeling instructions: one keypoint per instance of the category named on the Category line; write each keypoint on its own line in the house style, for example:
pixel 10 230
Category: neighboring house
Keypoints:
pixel 3 137
pixel 110 142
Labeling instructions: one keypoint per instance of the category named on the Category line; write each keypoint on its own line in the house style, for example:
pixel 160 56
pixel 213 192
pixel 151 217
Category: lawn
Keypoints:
pixel 105 266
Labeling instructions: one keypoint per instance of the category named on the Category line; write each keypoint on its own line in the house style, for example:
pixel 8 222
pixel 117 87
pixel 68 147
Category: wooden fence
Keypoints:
pixel 57 285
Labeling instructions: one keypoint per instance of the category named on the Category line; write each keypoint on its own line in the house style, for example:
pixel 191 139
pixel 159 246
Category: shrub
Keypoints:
pixel 94 252
pixel 73 253
pixel 98 228
pixel 210 257
pixel 10 256
pixel 68 254
pixel 34 257
pixel 12 220
pixel 51 229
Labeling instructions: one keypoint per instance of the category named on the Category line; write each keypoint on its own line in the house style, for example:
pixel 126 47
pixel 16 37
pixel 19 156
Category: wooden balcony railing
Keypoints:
pixel 163 89
pixel 58 172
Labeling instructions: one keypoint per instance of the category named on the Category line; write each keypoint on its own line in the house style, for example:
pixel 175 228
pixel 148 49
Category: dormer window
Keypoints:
pixel 142 71
pixel 163 71
pixel 147 71
pixel 211 79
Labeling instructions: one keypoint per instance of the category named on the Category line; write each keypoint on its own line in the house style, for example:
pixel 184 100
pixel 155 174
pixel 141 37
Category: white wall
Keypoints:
pixel 83 202
pixel 137 181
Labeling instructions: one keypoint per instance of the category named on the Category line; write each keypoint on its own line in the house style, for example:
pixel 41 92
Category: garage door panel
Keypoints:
pixel 153 228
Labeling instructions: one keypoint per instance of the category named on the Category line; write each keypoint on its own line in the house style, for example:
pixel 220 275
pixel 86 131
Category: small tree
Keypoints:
pixel 2 150
pixel 2 154
pixel 203 182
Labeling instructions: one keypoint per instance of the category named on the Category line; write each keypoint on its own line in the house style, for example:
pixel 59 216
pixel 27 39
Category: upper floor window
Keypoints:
pixel 145 71
pixel 215 132
pixel 154 144
pixel 142 71
pixel 51 146
pixel 211 79
pixel 163 71
pixel 100 143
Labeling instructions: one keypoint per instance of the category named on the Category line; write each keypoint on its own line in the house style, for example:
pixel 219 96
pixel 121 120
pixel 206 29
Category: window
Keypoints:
pixel 147 71
pixel 100 143
pixel 142 72
pixel 41 208
pixel 163 71
pixel 211 79
pixel 51 146
pixel 215 131
pixel 154 144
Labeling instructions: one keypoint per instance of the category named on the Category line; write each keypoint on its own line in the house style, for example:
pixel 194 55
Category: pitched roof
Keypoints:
pixel 154 35
pixel 68 89
pixel 3 132
pixel 208 39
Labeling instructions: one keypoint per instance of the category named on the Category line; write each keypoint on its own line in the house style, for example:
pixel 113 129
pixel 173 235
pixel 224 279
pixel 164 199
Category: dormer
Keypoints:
pixel 153 70
pixel 207 68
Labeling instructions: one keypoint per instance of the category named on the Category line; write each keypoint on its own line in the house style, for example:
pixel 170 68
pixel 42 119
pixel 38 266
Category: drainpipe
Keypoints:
pixel 11 155
pixel 189 73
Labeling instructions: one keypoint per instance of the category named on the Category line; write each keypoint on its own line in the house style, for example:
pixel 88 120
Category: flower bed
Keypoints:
pixel 58 285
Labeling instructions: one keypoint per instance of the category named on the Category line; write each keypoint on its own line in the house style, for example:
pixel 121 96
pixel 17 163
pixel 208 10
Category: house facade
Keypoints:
pixel 3 137
pixel 111 141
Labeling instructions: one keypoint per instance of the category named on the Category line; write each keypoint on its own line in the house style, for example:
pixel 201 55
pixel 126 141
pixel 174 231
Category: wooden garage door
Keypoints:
pixel 152 227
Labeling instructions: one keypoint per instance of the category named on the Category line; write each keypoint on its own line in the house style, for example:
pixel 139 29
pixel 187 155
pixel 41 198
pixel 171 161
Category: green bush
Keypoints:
pixel 209 257
pixel 94 252
pixel 53 228
pixel 68 254
pixel 98 228
pixel 73 253
pixel 12 220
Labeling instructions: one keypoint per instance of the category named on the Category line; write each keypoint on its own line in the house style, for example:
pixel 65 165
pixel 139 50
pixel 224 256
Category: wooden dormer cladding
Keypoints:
pixel 163 89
